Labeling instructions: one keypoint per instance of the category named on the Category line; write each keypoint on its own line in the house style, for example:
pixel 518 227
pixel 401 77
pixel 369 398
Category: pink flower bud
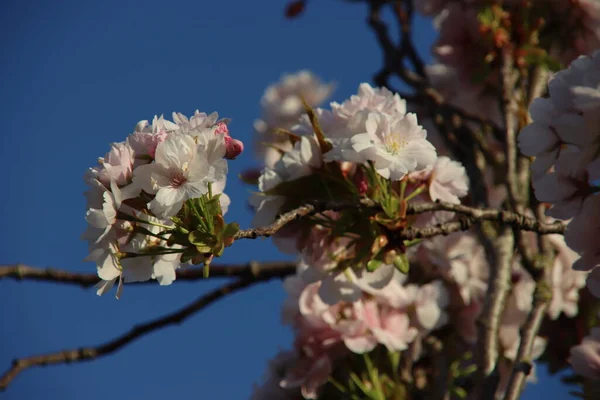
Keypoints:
pixel 234 147
pixel 360 180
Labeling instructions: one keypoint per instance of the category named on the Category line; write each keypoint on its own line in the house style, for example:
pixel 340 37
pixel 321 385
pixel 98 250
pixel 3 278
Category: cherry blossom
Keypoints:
pixel 396 146
pixel 181 171
pixel 282 106
pixel 585 358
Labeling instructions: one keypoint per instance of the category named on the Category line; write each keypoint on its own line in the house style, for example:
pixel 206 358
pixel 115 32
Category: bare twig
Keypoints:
pixel 90 353
pixel 514 219
pixel 282 221
pixel 251 269
pixel 474 215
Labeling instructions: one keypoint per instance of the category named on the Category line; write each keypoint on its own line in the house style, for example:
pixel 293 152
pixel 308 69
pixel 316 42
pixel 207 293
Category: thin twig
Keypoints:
pixel 90 353
pixel 248 270
pixel 474 215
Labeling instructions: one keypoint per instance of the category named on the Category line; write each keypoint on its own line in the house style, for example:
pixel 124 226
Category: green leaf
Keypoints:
pixel 230 230
pixel 200 238
pixel 204 248
pixel 217 249
pixel 401 263
pixel 188 254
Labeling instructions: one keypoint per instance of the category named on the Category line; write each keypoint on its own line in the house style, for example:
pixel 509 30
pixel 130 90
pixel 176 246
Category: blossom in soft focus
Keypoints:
pixel 301 160
pixel 565 139
pixel 585 358
pixel 564 280
pixel 446 180
pixel 270 389
pixel 282 106
pixel 392 316
pixel 369 98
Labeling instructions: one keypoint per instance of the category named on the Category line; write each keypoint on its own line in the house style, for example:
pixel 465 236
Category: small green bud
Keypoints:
pixel 401 263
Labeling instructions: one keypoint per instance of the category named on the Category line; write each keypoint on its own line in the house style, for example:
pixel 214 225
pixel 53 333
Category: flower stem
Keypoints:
pixel 416 192
pixel 374 373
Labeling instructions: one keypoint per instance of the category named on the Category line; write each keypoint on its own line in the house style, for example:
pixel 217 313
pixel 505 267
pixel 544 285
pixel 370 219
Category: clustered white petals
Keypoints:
pixel 396 146
pixel 144 181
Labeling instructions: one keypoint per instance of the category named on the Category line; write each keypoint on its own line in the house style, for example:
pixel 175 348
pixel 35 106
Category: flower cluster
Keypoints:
pixel 351 294
pixel 392 317
pixel 367 146
pixel 281 107
pixel 564 139
pixel 142 184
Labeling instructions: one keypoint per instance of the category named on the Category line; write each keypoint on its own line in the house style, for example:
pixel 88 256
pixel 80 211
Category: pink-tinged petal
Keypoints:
pixel 137 269
pixel 537 138
pixel 362 142
pixel 104 286
pixel 377 279
pixel 360 344
pixel 149 177
pixel 585 358
pixel 336 289
pixel 429 315
pixel 110 207
pixel 167 196
pixel 164 268
pixel 96 218
pixel 175 151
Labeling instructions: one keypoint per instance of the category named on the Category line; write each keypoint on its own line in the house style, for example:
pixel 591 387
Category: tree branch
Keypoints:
pixel 523 362
pixel 177 317
pixel 489 322
pixel 472 214
pixel 252 269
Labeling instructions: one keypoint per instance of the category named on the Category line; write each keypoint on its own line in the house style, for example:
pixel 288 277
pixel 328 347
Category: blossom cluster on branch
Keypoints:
pixel 407 284
pixel 139 197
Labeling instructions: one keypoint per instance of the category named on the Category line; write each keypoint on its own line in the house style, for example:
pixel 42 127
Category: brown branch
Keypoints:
pixel 90 353
pixel 473 215
pixel 509 111
pixel 282 221
pixel 489 322
pixel 251 269
pixel 523 362
pixel 514 219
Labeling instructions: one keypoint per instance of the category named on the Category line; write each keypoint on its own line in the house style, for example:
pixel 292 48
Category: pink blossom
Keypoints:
pixel 116 165
pixel 564 281
pixel 370 99
pixel 389 326
pixel 282 107
pixel 583 235
pixel 585 358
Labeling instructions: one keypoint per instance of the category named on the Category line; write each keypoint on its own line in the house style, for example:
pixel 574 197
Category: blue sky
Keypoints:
pixel 79 75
